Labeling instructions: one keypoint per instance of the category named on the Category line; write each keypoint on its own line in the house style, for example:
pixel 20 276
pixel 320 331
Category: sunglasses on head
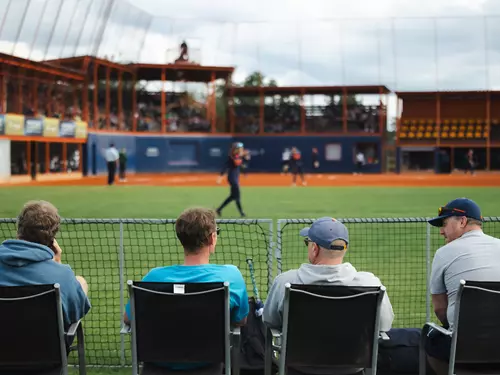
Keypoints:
pixel 446 210
pixel 332 247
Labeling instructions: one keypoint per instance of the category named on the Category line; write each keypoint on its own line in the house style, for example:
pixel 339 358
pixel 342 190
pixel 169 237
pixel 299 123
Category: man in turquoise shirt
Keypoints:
pixel 197 232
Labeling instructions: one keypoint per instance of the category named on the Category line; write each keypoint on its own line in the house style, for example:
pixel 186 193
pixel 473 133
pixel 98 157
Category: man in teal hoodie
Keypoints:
pixel 35 258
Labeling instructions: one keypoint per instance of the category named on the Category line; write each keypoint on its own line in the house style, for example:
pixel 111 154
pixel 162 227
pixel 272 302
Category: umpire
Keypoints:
pixel 112 157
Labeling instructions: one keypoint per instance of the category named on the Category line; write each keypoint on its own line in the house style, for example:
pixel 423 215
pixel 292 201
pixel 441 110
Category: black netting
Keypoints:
pixel 92 249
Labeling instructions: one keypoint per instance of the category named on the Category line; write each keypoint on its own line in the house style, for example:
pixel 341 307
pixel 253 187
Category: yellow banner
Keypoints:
pixel 81 129
pixel 51 127
pixel 14 124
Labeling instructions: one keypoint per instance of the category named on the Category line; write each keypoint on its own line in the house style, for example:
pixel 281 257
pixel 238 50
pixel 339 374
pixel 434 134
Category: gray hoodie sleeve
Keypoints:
pixel 273 307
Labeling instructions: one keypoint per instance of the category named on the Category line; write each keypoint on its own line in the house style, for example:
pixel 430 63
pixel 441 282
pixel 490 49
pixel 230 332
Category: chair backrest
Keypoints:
pixel 180 322
pixel 339 324
pixel 477 323
pixel 32 328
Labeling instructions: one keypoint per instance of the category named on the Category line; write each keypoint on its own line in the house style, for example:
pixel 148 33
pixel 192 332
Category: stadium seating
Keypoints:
pixel 450 129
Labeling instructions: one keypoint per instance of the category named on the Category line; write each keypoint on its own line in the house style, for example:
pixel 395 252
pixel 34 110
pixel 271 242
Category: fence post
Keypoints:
pixel 270 257
pixel 428 270
pixel 278 247
pixel 121 258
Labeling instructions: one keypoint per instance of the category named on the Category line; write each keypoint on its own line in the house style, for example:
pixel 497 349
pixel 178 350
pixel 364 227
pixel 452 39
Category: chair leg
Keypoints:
pixel 81 351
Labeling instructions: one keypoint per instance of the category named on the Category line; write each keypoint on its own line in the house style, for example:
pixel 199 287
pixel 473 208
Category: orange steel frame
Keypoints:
pixel 487 144
pixel 301 92
pixel 37 73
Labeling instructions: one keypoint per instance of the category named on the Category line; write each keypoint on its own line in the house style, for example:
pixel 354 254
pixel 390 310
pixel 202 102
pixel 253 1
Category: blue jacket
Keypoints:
pixel 28 263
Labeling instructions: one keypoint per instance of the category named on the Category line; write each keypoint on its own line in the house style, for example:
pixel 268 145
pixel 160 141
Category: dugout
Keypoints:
pixel 451 123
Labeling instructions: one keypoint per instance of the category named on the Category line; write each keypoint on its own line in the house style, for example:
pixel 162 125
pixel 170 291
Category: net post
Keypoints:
pixel 270 257
pixel 121 260
pixel 278 247
pixel 428 276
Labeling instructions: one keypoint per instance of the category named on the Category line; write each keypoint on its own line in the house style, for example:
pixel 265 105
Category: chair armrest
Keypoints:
pixel 440 329
pixel 126 329
pixel 72 329
pixel 275 333
pixel 383 336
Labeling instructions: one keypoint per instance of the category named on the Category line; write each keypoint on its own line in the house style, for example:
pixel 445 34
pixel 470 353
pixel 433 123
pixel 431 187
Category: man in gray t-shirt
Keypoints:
pixel 469 254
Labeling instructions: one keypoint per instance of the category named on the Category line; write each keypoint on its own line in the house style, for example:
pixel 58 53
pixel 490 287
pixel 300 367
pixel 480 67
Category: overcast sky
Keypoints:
pixel 396 43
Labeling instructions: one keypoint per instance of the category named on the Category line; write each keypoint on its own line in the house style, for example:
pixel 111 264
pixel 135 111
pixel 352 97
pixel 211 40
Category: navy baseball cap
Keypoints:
pixel 326 230
pixel 457 207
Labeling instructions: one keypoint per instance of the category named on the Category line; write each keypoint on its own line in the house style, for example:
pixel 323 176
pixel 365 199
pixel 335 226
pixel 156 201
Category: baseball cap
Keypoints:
pixel 457 207
pixel 326 230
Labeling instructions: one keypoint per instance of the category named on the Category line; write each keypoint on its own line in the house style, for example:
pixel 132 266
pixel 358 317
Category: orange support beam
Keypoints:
pixel 28 157
pixel 64 157
pixel 47 157
pixel 2 93
pixel 85 101
pixel 96 96
pixel 381 117
pixel 35 96
pixel 213 104
pixel 398 120
pixel 488 126
pixel 80 151
pixel 120 99
pixel 163 102
pixel 108 98
pixel 303 129
pixel 231 111
pixel 36 158
pixel 20 95
pixel 438 119
pixel 344 109
pixel 134 103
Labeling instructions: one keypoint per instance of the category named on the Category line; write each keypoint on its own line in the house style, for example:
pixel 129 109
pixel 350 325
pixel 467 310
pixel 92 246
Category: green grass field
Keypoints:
pixel 396 252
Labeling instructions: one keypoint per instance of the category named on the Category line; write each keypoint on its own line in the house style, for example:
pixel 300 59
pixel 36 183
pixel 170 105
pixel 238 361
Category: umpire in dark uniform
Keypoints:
pixel 111 157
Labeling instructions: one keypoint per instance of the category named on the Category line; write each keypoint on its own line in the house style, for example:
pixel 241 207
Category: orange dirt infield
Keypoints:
pixel 203 179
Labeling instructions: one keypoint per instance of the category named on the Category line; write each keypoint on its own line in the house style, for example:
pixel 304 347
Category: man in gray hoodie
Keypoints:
pixel 327 241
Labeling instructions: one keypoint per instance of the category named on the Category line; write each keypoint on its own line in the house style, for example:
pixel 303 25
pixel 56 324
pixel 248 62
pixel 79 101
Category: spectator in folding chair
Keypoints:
pixel 35 258
pixel 468 254
pixel 197 232
pixel 327 241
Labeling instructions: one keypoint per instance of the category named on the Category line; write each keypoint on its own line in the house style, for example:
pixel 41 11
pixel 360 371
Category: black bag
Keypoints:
pixel 253 343
pixel 400 354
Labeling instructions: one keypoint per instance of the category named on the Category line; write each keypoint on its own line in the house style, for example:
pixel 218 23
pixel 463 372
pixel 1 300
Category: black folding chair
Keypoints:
pixel 328 326
pixel 32 337
pixel 181 323
pixel 475 337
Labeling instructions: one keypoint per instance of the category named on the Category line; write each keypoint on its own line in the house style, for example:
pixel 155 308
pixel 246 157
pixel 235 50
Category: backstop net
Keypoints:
pixel 109 252
pixel 399 251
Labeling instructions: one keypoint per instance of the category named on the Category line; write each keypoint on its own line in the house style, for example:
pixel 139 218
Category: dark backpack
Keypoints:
pixel 400 354
pixel 253 341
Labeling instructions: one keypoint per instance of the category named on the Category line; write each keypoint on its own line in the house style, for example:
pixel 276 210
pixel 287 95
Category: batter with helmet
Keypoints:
pixel 232 167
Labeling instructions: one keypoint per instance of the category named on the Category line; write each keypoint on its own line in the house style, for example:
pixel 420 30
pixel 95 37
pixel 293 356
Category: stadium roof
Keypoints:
pixel 181 72
pixel 434 94
pixel 312 90
pixel 41 69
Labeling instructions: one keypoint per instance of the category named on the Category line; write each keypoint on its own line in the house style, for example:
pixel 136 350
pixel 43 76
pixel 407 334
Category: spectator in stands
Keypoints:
pixel 35 258
pixel 197 232
pixel 327 241
pixel 469 254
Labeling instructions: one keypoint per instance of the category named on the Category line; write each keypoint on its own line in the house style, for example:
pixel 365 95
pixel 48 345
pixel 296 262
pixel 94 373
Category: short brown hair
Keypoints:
pixel 38 222
pixel 194 227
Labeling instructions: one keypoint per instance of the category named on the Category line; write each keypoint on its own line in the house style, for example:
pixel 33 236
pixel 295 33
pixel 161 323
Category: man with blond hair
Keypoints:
pixel 327 241
pixel 34 258
pixel 197 232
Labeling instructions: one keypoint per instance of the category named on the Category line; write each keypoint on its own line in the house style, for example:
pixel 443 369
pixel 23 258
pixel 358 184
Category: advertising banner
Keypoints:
pixel 80 129
pixel 2 124
pixel 67 129
pixel 51 127
pixel 33 126
pixel 14 124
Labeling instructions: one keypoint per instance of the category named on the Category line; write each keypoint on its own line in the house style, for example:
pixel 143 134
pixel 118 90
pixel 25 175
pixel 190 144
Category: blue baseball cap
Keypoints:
pixel 457 207
pixel 326 230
